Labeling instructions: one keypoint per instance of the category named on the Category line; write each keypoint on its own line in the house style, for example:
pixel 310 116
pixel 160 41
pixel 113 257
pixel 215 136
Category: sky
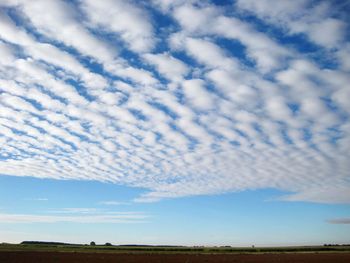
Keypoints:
pixel 175 122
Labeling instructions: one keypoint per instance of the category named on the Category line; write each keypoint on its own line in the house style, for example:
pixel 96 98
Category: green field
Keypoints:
pixel 168 249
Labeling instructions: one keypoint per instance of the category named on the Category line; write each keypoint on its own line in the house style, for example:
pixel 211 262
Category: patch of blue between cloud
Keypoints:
pixel 164 109
pixel 138 114
pixel 17 51
pixel 212 88
pixel 284 132
pixel 262 134
pixel 165 26
pixel 17 18
pixel 150 68
pixel 14 130
pixel 193 142
pixel 308 138
pixel 47 91
pixel 222 3
pixel 81 89
pixel 241 133
pixel 180 96
pixel 74 148
pixel 334 134
pixel 34 103
pixel 22 154
pixel 294 107
pixel 236 49
pixel 335 109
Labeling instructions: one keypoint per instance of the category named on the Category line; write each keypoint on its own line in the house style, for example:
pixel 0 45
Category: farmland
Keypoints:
pixel 11 253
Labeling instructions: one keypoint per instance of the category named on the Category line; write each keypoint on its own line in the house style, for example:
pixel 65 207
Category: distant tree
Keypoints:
pixel 92 243
pixel 108 244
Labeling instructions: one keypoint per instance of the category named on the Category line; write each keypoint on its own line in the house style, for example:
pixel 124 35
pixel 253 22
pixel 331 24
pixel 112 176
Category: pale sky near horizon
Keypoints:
pixel 175 122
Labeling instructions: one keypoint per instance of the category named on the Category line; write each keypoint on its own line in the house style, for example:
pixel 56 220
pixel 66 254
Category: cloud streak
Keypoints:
pixel 341 221
pixel 111 202
pixel 86 219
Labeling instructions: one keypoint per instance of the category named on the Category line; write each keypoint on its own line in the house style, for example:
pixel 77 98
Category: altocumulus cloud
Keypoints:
pixel 177 97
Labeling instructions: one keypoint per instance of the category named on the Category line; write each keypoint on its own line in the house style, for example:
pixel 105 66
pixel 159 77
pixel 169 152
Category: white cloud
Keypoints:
pixel 137 75
pixel 6 53
pixel 343 56
pixel 209 54
pixel 197 95
pixel 172 68
pixel 278 109
pixel 328 32
pixel 124 18
pixel 10 33
pixel 58 20
pixel 17 103
pixel 281 8
pixel 192 18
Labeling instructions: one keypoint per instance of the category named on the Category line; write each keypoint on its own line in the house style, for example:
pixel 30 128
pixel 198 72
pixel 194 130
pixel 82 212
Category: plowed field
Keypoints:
pixel 64 257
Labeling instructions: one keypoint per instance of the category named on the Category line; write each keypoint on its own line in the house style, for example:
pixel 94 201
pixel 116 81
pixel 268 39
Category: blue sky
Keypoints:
pixel 175 122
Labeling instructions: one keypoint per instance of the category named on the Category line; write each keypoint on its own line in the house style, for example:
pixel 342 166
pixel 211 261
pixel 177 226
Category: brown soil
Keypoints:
pixel 63 257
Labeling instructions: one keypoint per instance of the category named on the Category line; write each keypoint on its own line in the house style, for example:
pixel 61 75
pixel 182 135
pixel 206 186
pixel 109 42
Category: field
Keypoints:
pixel 135 254
pixel 66 257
